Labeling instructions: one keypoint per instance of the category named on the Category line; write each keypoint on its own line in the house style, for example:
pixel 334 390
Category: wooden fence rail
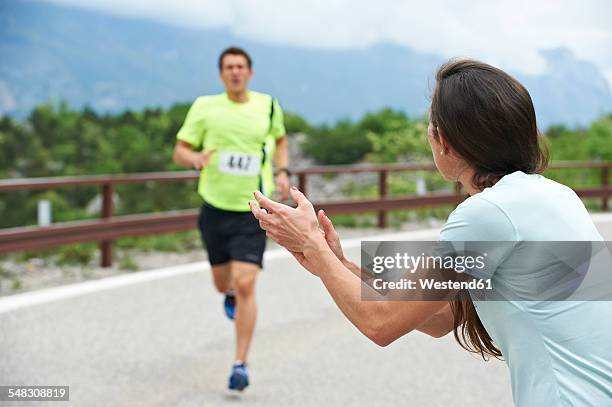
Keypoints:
pixel 109 227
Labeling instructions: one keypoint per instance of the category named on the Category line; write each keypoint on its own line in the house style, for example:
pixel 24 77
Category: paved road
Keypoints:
pixel 165 342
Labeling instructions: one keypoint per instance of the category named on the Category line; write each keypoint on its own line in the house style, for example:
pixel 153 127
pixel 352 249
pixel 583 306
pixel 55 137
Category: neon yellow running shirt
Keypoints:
pixel 239 132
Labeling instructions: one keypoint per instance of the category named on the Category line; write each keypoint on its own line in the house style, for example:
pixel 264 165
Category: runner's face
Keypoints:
pixel 235 73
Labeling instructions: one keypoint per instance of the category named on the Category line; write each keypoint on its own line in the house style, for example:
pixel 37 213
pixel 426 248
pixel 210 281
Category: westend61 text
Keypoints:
pixel 431 284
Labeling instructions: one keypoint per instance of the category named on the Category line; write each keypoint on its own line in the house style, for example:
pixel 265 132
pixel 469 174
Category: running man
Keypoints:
pixel 232 138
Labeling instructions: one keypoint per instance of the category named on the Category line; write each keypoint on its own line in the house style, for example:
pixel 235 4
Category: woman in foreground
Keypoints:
pixel 483 134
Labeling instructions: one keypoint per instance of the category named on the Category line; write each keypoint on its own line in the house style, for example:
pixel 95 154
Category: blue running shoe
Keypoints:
pixel 239 379
pixel 229 305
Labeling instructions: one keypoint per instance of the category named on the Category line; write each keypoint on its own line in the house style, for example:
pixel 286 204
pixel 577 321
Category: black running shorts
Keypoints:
pixel 229 235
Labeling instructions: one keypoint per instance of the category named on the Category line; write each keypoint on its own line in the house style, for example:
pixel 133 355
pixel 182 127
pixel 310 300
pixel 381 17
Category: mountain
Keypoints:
pixel 51 53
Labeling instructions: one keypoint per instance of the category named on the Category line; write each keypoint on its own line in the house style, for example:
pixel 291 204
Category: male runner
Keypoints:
pixel 235 134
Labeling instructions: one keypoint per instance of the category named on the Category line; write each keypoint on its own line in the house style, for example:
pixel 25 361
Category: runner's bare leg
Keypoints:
pixel 243 281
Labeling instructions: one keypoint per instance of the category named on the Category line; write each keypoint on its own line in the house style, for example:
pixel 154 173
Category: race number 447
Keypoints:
pixel 239 163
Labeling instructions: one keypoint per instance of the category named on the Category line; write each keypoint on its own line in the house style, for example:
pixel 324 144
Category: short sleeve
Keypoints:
pixel 278 124
pixel 192 131
pixel 478 219
pixel 479 227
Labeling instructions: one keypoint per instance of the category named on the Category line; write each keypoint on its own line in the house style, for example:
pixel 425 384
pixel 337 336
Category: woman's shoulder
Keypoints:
pixel 479 218
pixel 521 207
pixel 519 188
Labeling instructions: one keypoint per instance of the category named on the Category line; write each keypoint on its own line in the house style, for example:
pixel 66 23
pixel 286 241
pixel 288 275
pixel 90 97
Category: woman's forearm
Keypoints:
pixel 380 320
pixel 344 286
pixel 354 268
pixel 439 324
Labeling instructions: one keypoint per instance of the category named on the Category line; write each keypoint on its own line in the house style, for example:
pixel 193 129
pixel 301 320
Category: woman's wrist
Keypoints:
pixel 318 253
pixel 315 244
pixel 347 263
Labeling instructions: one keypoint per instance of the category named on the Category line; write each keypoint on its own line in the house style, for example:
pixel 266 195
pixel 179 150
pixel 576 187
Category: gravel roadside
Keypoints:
pixel 17 275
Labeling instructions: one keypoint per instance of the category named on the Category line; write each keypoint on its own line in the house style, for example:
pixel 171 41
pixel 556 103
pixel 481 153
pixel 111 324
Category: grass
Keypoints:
pixel 79 254
pixel 172 242
pixel 16 284
pixel 354 220
pixel 126 262
pixel 83 254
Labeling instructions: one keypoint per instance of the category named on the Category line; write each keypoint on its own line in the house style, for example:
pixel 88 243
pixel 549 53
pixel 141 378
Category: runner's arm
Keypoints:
pixel 281 160
pixel 185 156
pixel 281 155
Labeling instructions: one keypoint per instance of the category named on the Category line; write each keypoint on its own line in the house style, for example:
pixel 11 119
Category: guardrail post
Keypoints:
pixel 382 193
pixel 605 181
pixel 106 246
pixel 302 183
pixel 458 192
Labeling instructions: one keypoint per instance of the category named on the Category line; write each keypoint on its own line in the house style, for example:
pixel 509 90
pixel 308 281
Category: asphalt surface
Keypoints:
pixel 166 342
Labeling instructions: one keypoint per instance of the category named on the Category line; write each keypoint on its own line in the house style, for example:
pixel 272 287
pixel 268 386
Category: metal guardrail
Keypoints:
pixel 110 227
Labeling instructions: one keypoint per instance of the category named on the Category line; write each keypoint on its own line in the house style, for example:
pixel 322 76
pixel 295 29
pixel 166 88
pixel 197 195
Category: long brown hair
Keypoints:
pixel 489 120
pixel 469 331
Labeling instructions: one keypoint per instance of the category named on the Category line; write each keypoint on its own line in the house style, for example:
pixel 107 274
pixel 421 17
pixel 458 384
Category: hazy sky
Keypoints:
pixel 505 33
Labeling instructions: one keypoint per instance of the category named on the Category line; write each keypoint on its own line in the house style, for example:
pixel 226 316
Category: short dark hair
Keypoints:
pixel 234 51
pixel 488 119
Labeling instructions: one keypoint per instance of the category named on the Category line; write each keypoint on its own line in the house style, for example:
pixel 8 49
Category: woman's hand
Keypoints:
pixel 330 234
pixel 296 229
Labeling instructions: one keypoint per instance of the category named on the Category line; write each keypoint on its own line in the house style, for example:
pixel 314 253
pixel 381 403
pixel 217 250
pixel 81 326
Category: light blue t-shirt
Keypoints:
pixel 559 352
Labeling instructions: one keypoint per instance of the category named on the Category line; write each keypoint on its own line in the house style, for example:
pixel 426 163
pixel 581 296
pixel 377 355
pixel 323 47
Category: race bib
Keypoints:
pixel 247 165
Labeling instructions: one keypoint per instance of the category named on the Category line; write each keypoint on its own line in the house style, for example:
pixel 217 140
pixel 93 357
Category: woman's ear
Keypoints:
pixel 442 140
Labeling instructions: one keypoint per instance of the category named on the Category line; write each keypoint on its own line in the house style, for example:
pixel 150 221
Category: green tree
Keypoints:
pixel 395 137
pixel 344 143
pixel 295 123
